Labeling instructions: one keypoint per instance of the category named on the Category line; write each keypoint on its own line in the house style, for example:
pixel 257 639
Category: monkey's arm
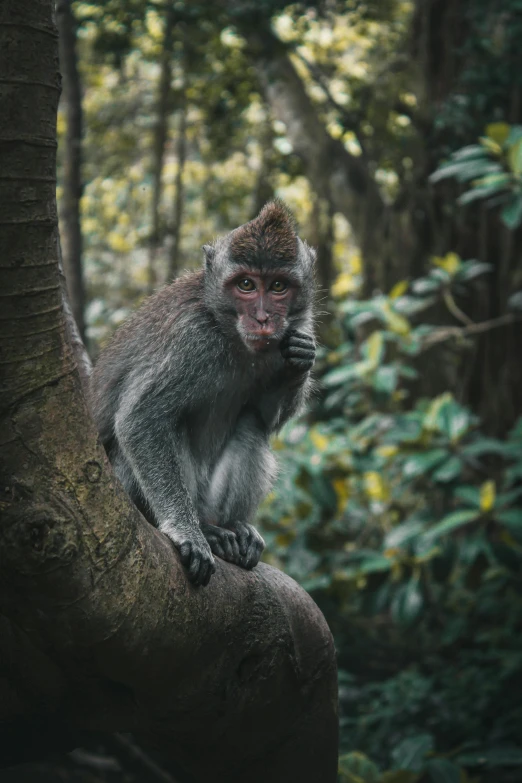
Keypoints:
pixel 151 445
pixel 289 389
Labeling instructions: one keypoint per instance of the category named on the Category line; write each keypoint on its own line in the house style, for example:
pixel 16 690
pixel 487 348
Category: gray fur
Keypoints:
pixel 185 412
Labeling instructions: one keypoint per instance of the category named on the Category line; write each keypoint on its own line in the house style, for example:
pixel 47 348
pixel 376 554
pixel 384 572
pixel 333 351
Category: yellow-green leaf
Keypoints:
pixel 342 492
pixel 319 440
pixel 375 348
pixel 515 157
pixel 399 289
pixel 487 496
pixel 344 284
pixel 451 263
pixel 498 132
pixel 375 486
pixel 395 322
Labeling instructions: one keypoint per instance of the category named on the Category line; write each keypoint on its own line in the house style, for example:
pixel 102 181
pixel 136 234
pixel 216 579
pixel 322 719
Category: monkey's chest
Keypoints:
pixel 210 428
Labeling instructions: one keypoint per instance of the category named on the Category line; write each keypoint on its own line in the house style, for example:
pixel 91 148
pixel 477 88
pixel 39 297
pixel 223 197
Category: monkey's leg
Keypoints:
pixel 155 454
pixel 242 477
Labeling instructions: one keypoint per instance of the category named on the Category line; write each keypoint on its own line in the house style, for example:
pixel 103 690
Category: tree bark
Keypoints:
pixel 337 176
pixel 158 147
pixel 101 630
pixel 181 155
pixel 72 175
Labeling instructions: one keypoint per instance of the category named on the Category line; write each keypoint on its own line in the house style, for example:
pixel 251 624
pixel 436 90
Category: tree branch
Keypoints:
pixel 103 631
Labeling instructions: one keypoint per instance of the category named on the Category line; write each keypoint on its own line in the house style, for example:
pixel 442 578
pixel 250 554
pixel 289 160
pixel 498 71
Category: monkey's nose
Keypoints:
pixel 261 318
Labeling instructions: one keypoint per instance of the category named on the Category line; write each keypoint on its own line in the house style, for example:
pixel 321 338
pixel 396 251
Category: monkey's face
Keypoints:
pixel 262 303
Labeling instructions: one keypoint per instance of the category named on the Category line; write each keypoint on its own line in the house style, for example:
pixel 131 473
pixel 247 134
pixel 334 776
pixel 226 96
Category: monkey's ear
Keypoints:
pixel 210 252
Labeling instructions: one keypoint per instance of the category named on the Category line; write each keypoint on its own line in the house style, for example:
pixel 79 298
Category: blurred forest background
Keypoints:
pixel 394 132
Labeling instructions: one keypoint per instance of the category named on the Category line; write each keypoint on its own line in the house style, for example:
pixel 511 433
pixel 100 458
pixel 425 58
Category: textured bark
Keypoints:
pixel 101 631
pixel 72 175
pixel 181 155
pixel 339 177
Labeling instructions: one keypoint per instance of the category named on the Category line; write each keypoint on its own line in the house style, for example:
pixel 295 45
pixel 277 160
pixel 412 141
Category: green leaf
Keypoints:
pixel 408 602
pixel 374 565
pixel 448 470
pixel 510 756
pixel 515 301
pixel 341 375
pixel 468 494
pixel 464 170
pixel 472 269
pixel 385 379
pixel 423 463
pixel 494 181
pixel 410 754
pixel 515 157
pixel 358 766
pixel 475 194
pixel 425 285
pixel 512 517
pixel 443 771
pixel 403 533
pixel 512 213
pixel 453 522
pixel 470 151
pixel 514 135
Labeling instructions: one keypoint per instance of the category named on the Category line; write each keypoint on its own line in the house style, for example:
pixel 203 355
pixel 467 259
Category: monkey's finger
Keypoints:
pixel 302 336
pixel 301 342
pixel 194 568
pixel 206 572
pixel 228 548
pixel 217 549
pixel 252 556
pixel 185 553
pixel 235 549
pixel 298 353
pixel 243 539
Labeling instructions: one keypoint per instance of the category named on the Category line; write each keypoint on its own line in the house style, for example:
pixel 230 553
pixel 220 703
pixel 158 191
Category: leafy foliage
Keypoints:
pixel 494 169
pixel 405 522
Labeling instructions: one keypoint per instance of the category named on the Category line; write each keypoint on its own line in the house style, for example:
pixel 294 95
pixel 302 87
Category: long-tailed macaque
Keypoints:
pixel 192 385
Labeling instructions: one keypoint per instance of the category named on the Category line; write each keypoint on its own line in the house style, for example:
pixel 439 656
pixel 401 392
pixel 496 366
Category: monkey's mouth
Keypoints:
pixel 263 340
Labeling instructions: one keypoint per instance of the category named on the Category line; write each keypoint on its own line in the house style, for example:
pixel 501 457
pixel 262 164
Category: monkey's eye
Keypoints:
pixel 278 286
pixel 246 284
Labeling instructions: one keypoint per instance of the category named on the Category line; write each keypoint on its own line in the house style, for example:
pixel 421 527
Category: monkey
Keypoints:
pixel 190 388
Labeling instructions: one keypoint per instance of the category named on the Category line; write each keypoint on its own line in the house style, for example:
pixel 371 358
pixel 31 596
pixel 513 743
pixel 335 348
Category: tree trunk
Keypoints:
pixel 100 628
pixel 181 154
pixel 72 174
pixel 158 148
pixel 337 176
pixel 264 189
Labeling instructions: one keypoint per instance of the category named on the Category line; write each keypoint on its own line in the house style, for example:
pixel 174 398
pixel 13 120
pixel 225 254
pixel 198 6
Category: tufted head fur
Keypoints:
pixel 269 239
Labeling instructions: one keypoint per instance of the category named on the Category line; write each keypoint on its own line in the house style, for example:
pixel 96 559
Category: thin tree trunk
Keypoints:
pixel 264 190
pixel 72 180
pixel 181 154
pixel 158 148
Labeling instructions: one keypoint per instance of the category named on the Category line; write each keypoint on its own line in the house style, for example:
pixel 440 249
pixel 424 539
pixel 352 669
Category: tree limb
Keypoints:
pixel 102 631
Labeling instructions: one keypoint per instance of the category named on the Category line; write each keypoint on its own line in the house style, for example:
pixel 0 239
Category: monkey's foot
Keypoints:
pixel 195 554
pixel 222 542
pixel 251 544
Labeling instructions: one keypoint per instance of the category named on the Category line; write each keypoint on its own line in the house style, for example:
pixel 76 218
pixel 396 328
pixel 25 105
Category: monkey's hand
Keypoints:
pixel 194 552
pixel 298 350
